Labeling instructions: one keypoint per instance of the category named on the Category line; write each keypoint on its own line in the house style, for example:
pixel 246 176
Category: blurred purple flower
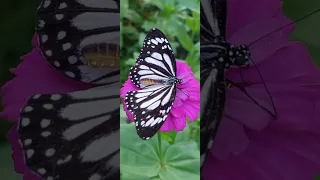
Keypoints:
pixel 33 76
pixel 250 143
pixel 186 103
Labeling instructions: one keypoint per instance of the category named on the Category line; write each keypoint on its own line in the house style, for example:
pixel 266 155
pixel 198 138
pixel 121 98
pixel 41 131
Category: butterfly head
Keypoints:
pixel 239 55
pixel 174 80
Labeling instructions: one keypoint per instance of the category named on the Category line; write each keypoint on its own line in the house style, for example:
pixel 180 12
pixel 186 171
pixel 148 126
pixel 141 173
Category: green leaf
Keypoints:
pixel 6 165
pixel 143 158
pixel 184 37
pixel 133 16
pixel 307 30
pixel 181 161
pixel 184 135
pixel 193 5
pixel 138 157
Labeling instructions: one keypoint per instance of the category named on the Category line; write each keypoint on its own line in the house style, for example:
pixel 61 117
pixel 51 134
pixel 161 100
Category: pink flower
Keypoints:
pixel 186 104
pixel 250 144
pixel 33 76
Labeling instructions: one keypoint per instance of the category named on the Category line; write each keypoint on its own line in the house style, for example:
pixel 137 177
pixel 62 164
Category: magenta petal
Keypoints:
pixel 34 76
pixel 265 47
pixel 296 107
pixel 296 156
pixel 18 157
pixel 128 113
pixel 183 95
pixel 191 111
pixel 179 123
pixel 242 109
pixel 241 17
pixel 168 125
pixel 176 112
pixel 127 86
pixel 231 139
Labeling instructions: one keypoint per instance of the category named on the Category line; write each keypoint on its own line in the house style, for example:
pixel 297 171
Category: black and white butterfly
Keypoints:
pixel 76 135
pixel 81 38
pixel 154 72
pixel 216 57
pixel 73 135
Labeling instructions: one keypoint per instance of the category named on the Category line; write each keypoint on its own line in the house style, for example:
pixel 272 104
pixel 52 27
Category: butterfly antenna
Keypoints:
pixel 247 94
pixel 183 92
pixel 266 88
pixel 284 26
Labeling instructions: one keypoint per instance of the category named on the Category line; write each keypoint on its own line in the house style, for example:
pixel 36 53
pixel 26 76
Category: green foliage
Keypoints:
pixel 168 155
pixel 307 29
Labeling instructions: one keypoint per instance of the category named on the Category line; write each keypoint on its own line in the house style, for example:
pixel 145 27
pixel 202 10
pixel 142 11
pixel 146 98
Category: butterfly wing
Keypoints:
pixel 156 63
pixel 213 19
pixel 150 108
pixel 75 34
pixel 213 22
pixel 72 136
pixel 211 110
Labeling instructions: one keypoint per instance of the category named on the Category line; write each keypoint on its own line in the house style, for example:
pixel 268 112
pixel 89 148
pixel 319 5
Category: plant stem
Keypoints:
pixel 160 146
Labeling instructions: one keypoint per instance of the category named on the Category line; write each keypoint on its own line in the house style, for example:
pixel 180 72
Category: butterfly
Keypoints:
pixel 155 73
pixel 216 57
pixel 81 38
pixel 76 135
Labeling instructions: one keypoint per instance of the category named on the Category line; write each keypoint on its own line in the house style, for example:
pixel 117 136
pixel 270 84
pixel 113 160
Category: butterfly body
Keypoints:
pixel 103 55
pixel 217 55
pixel 156 75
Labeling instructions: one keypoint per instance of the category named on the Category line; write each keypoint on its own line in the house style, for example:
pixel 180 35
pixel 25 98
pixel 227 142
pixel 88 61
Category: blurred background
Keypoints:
pixel 18 19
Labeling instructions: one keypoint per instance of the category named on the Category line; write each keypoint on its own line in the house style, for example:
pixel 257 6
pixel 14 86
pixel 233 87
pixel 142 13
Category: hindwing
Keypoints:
pixel 78 36
pixel 73 135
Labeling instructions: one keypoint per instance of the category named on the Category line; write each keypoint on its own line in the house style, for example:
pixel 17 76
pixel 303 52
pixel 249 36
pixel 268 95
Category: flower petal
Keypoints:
pixel 168 124
pixel 179 123
pixel 267 46
pixel 230 139
pixel 239 107
pixel 34 76
pixel 271 154
pixel 241 17
pixel 191 110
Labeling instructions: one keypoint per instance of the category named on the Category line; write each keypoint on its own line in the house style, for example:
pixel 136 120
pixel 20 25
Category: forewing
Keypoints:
pixel 156 61
pixel 211 109
pixel 150 108
pixel 72 136
pixel 71 33
pixel 213 14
